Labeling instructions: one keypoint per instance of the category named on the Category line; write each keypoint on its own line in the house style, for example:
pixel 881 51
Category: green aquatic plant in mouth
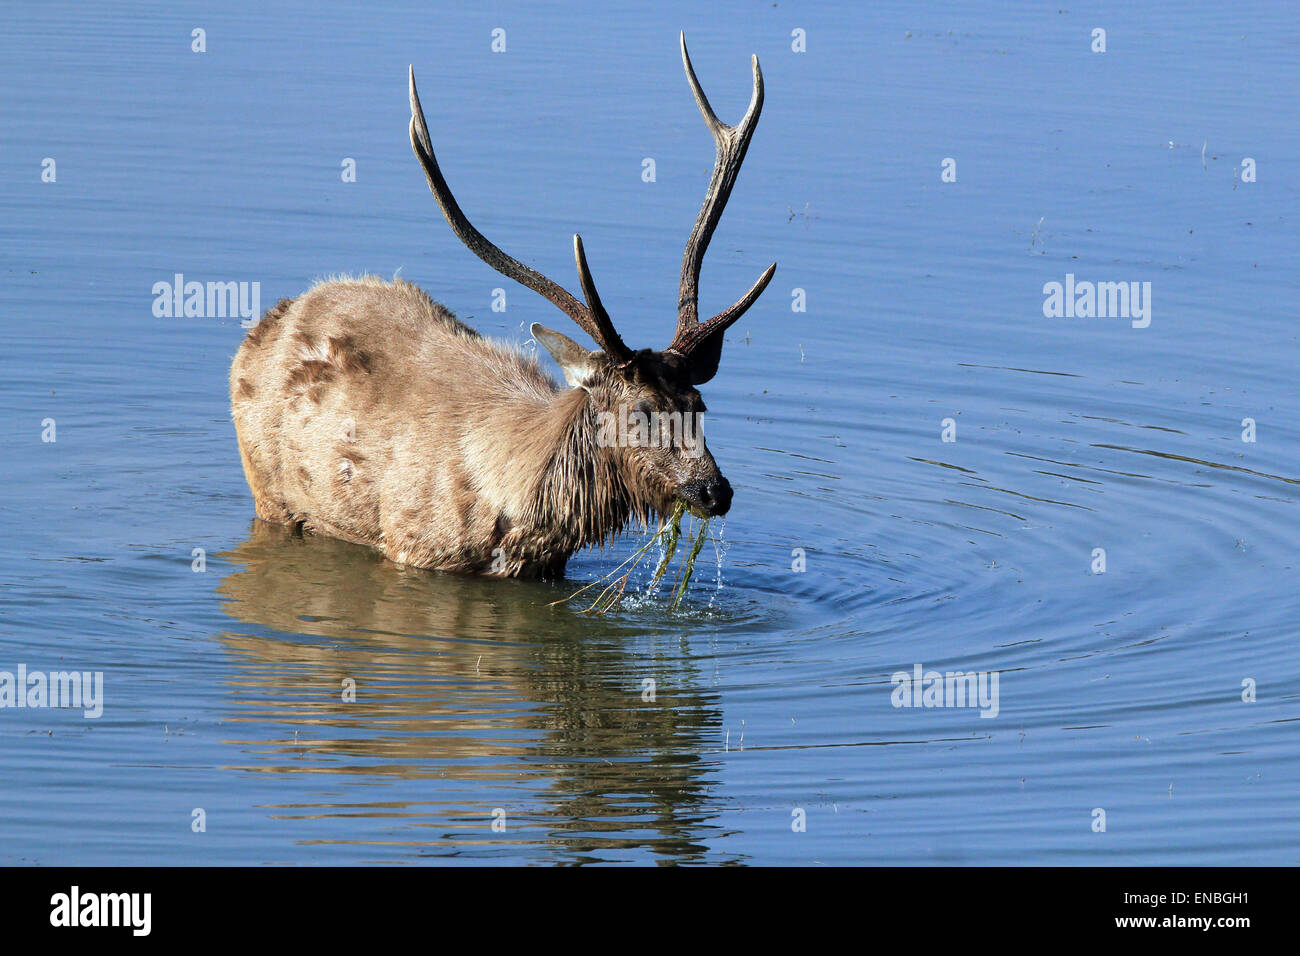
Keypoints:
pixel 669 532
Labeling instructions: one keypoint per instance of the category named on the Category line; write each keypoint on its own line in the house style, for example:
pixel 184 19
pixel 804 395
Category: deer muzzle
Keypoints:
pixel 708 498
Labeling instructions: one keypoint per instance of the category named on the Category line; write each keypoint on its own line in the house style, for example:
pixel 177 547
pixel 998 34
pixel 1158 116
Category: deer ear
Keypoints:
pixel 704 360
pixel 577 363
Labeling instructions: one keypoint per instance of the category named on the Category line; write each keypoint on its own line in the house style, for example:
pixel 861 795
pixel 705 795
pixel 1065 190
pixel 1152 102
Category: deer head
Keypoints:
pixel 646 400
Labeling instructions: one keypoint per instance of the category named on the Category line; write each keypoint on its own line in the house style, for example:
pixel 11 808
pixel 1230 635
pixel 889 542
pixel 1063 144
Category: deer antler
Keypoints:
pixel 701 342
pixel 592 317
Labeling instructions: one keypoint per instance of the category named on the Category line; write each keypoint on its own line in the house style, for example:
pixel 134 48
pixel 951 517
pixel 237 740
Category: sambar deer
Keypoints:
pixel 367 411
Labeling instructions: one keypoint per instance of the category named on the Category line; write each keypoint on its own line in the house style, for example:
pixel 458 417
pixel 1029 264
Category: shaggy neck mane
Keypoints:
pixel 584 496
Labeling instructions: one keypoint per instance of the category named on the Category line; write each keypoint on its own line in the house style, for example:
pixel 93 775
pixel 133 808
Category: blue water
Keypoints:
pixel 1119 692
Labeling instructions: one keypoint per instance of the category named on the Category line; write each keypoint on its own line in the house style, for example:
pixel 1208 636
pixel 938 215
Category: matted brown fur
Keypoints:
pixel 367 411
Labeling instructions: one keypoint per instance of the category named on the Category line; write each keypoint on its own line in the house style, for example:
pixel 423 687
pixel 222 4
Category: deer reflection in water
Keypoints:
pixel 477 680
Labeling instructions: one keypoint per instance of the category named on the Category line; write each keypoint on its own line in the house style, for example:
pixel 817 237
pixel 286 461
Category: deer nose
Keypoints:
pixel 713 495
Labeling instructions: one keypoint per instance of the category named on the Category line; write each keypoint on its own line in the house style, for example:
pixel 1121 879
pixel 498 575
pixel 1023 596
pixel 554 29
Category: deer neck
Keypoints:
pixel 583 496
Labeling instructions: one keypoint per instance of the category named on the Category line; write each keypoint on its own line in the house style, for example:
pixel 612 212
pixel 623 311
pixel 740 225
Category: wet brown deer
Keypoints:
pixel 367 411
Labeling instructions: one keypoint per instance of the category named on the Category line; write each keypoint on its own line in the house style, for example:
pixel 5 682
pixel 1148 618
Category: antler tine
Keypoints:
pixel 594 320
pixel 688 338
pixel 605 332
pixel 732 142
